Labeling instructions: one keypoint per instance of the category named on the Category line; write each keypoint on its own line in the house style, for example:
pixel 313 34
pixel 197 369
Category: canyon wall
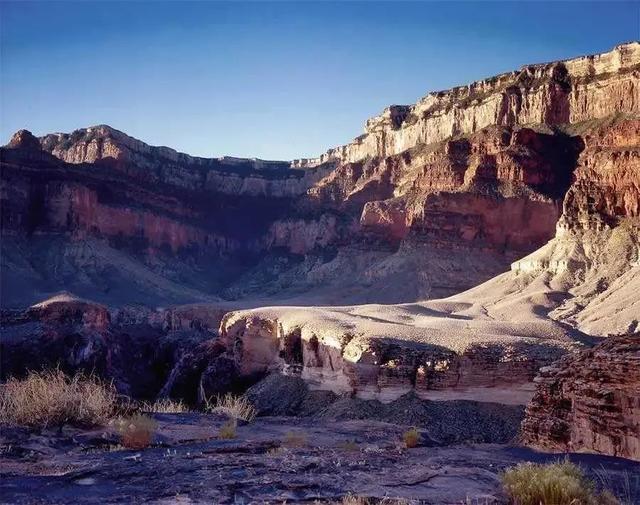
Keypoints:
pixel 561 92
pixel 477 344
pixel 589 402
pixel 537 169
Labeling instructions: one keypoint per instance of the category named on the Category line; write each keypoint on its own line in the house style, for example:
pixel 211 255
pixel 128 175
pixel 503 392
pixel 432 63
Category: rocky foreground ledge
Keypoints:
pixel 272 460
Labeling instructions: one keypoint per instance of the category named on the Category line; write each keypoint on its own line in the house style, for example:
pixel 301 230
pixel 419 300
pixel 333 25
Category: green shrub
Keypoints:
pixel 228 430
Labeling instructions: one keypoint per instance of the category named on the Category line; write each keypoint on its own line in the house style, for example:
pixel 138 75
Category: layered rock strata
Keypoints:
pixel 589 402
pixel 487 342
pixel 561 92
pixel 433 199
pixel 427 188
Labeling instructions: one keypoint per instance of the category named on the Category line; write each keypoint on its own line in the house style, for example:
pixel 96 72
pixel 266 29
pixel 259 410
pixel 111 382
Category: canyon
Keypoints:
pixel 458 249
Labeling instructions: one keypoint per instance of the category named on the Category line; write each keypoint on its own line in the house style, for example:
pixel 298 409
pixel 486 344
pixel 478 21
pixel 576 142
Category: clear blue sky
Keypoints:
pixel 272 80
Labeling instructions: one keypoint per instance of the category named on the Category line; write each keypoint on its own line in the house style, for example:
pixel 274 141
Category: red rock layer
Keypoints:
pixel 589 402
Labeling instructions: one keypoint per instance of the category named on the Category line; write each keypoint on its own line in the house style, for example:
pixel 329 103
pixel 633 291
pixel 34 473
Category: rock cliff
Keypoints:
pixel 561 92
pixel 589 402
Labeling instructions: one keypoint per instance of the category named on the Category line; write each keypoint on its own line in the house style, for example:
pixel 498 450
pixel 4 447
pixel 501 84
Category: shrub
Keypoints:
pixel 228 430
pixel 51 398
pixel 560 483
pixel 351 499
pixel 235 407
pixel 295 439
pixel 348 445
pixel 165 406
pixel 627 488
pixel 136 432
pixel 411 438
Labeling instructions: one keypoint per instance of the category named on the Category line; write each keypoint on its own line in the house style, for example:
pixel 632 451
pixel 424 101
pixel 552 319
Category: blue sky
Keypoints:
pixel 273 80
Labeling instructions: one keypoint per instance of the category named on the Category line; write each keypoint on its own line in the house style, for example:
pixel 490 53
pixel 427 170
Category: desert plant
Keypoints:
pixel 560 483
pixel 627 488
pixel 348 445
pixel 136 432
pixel 295 439
pixel 411 438
pixel 235 407
pixel 165 406
pixel 51 398
pixel 352 499
pixel 228 430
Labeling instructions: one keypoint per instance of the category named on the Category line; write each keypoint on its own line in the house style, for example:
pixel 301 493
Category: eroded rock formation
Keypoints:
pixel 433 199
pixel 145 352
pixel 426 188
pixel 589 402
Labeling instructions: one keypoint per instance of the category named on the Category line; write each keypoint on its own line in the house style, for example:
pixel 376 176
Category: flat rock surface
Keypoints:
pixel 272 460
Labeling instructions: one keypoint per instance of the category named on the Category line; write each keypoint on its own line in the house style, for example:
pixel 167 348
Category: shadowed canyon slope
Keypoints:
pixel 499 222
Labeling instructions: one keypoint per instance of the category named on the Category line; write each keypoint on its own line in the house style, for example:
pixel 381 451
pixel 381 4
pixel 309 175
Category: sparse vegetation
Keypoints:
pixel 561 483
pixel 411 438
pixel 349 445
pixel 276 451
pixel 228 430
pixel 234 407
pixel 165 406
pixel 626 489
pixel 351 499
pixel 52 398
pixel 136 432
pixel 295 439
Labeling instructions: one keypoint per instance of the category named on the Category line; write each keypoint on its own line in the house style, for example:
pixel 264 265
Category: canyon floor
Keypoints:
pixel 272 460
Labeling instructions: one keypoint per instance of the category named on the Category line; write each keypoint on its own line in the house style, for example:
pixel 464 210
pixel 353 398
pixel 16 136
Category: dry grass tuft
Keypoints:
pixel 235 407
pixel 165 406
pixel 228 430
pixel 136 432
pixel 411 438
pixel 51 398
pixel 276 451
pixel 349 446
pixel 352 499
pixel 295 439
pixel 561 483
pixel 627 489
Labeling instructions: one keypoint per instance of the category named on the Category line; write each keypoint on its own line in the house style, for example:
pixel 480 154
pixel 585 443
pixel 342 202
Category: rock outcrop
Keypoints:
pixel 485 343
pixel 589 402
pixel 569 91
pixel 146 353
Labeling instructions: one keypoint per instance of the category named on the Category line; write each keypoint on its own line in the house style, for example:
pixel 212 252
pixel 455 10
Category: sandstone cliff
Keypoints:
pixel 561 92
pixel 589 402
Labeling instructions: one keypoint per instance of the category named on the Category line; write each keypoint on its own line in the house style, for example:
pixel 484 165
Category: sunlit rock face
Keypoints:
pixel 562 92
pixel 328 356
pixel 589 402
